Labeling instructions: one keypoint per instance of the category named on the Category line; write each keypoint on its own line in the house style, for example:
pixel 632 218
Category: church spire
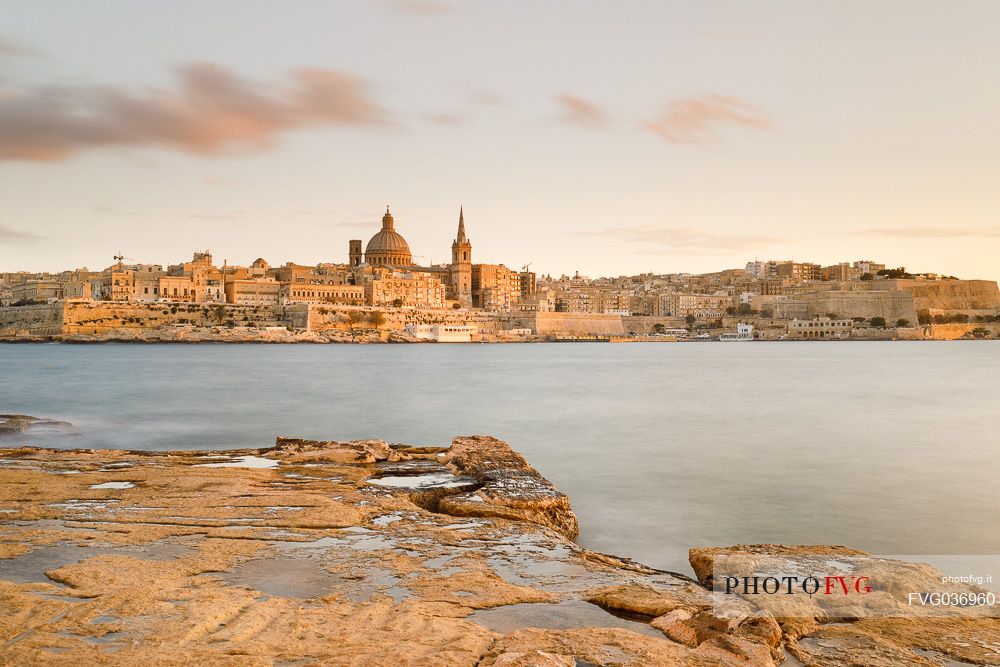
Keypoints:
pixel 461 226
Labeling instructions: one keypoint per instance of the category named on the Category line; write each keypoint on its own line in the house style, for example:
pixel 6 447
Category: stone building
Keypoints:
pixel 388 287
pixel 35 291
pixel 253 291
pixel 798 271
pixel 176 288
pixel 820 327
pixel 328 293
pixel 491 287
pixel 388 247
pixel 460 282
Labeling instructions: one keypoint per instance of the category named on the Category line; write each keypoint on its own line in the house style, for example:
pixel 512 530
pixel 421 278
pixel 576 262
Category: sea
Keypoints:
pixel 889 447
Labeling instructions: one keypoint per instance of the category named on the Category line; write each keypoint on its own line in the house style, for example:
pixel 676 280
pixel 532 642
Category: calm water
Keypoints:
pixel 889 447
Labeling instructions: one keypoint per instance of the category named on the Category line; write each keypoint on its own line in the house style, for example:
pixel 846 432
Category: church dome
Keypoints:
pixel 388 247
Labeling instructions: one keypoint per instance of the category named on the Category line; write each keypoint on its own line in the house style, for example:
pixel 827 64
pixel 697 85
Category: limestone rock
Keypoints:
pixel 702 559
pixel 297 450
pixel 878 627
pixel 533 659
pixel 19 424
pixel 676 626
pixel 511 489
pixel 650 601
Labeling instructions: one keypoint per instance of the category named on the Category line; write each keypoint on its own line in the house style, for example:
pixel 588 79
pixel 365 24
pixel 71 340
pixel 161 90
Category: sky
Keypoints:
pixel 608 138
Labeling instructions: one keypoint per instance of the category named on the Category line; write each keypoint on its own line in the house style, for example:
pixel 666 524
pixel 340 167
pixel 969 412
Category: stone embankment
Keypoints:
pixel 373 553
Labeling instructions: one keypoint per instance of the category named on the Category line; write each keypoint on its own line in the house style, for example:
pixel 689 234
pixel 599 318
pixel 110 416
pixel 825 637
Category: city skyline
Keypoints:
pixel 815 133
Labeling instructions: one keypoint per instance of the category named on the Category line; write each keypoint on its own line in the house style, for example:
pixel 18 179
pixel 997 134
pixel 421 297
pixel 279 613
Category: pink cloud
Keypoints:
pixel 581 112
pixel 212 111
pixel 695 119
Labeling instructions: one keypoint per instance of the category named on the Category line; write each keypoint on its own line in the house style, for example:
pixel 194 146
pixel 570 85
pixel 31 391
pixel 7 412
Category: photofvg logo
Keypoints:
pixel 855 585
pixel 792 584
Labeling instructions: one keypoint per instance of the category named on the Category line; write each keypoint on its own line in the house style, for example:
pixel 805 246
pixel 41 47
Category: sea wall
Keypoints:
pixel 593 324
pixel 975 297
pixel 102 317
pixel 334 317
pixel 36 320
pixel 645 324
pixel 892 306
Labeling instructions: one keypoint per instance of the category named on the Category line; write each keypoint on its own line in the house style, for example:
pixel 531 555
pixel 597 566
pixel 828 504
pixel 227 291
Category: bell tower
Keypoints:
pixel 460 273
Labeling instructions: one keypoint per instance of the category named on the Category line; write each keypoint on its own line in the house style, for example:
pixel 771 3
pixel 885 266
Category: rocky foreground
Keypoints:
pixel 366 553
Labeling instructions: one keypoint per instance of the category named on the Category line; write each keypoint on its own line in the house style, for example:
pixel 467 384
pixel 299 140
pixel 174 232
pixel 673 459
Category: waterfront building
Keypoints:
pixel 820 327
pixel 744 333
pixel 442 333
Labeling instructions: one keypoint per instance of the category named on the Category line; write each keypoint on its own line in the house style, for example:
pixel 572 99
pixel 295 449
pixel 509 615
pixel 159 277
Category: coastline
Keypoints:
pixel 79 321
pixel 367 552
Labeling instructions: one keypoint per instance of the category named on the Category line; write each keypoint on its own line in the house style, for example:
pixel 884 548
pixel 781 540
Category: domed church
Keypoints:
pixel 388 247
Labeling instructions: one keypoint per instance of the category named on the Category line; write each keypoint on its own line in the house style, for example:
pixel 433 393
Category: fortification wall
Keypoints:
pixel 328 317
pixel 644 324
pixel 974 297
pixel 591 324
pixel 892 306
pixel 36 320
pixel 103 317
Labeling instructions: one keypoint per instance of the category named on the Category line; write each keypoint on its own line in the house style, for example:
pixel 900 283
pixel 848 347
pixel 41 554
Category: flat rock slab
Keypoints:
pixel 302 554
pixel 290 554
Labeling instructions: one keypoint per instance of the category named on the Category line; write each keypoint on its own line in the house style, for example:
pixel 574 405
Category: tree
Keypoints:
pixel 980 332
pixel 902 322
pixel 745 309
pixel 923 318
pixel 376 319
pixel 354 318
pixel 397 303
pixel 877 322
pixel 659 328
pixel 690 319
pixel 730 311
pixel 867 276
pixel 859 320
pixel 831 316
pixel 895 273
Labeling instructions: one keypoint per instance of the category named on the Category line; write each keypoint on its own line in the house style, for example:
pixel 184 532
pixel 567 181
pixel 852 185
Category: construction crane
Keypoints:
pixel 119 257
pixel 524 269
